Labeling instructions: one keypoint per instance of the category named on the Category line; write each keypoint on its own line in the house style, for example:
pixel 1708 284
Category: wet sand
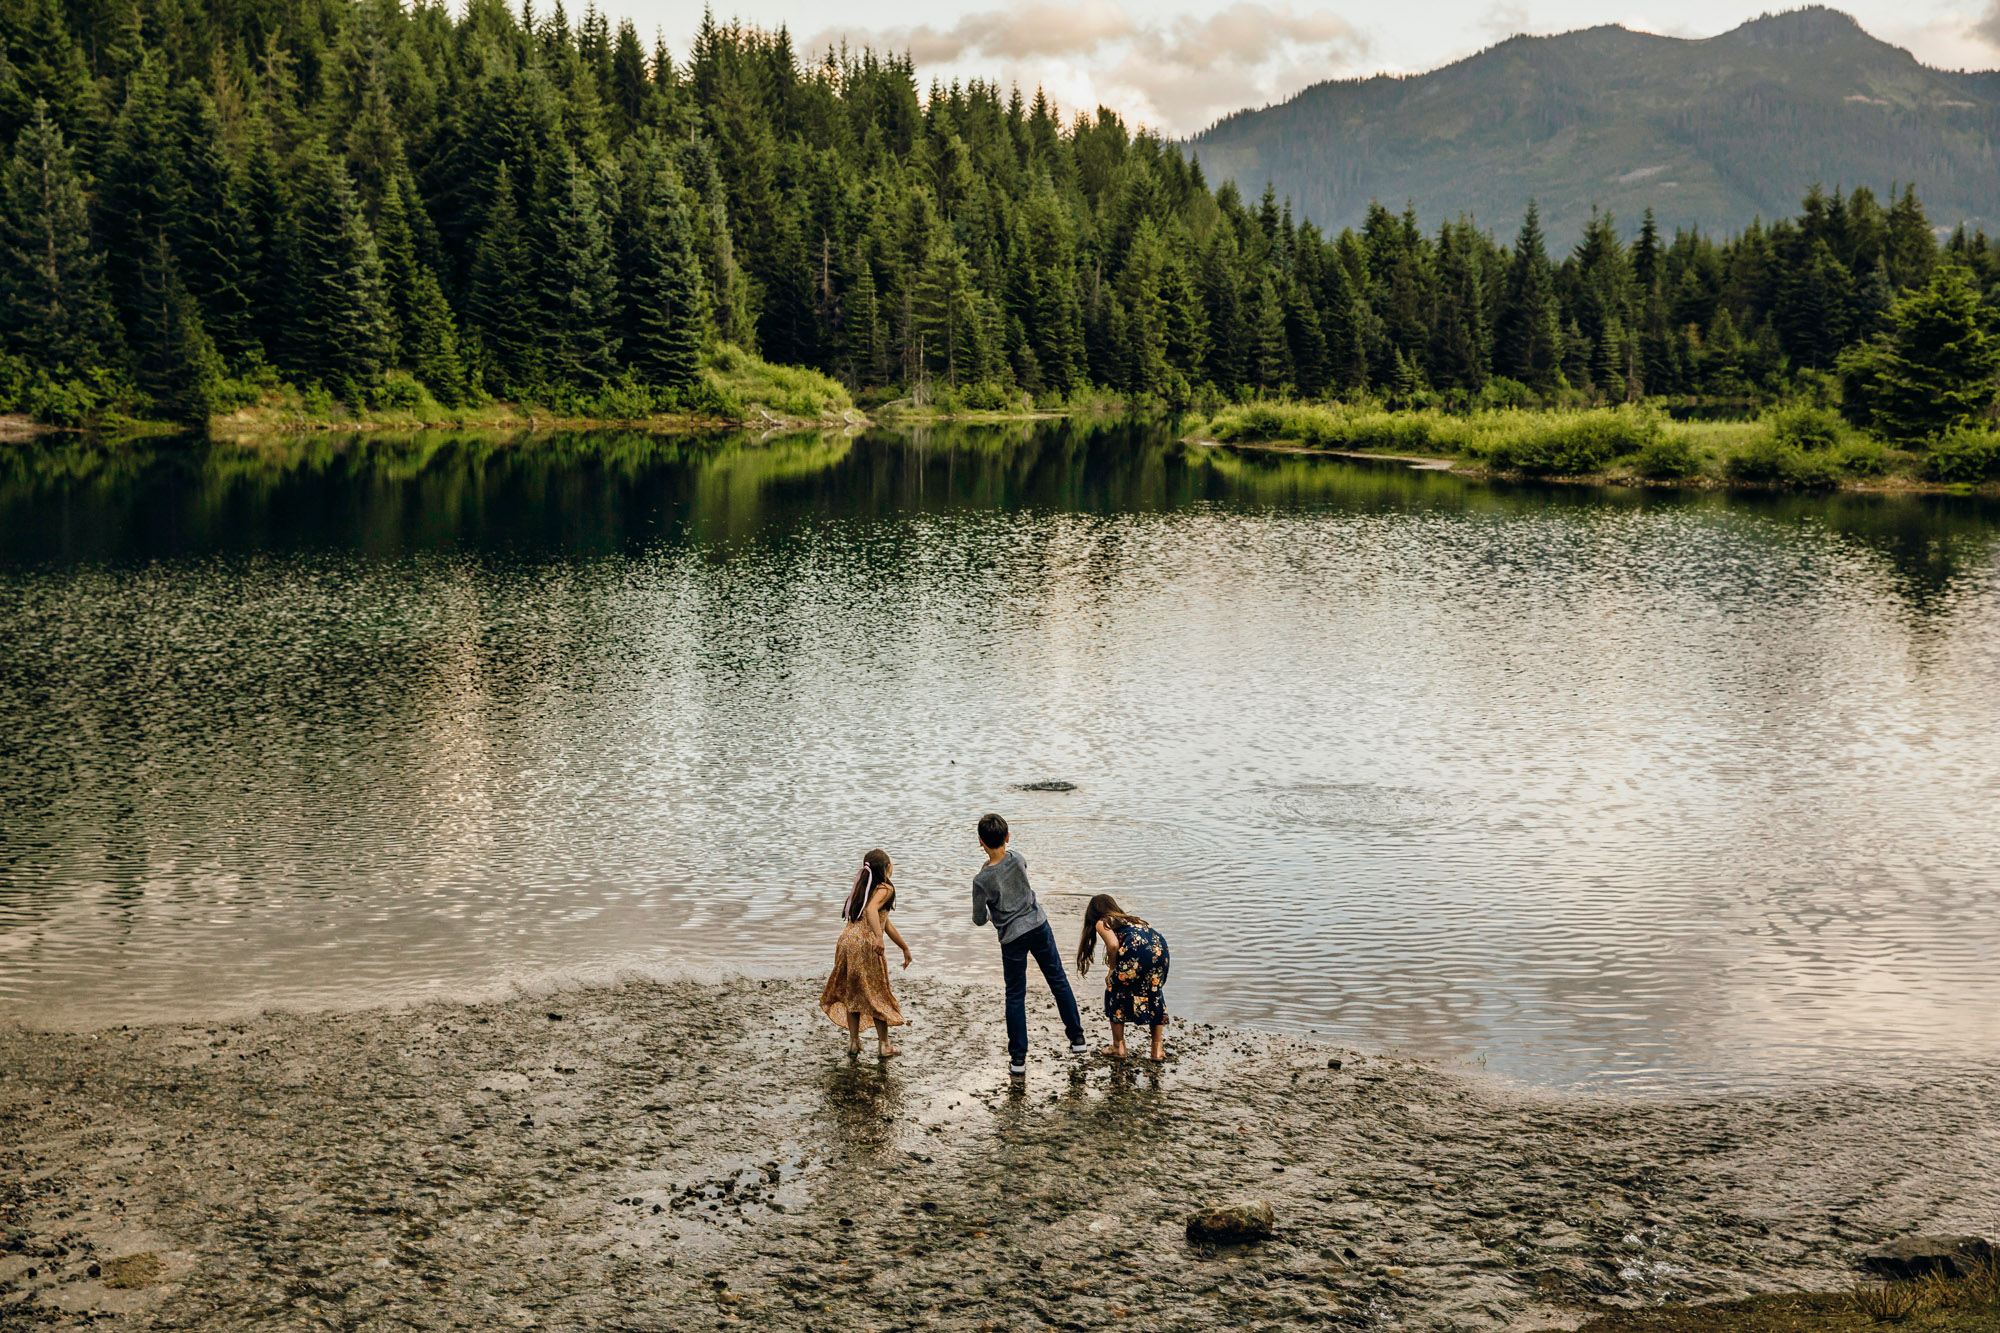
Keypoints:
pixel 687 1156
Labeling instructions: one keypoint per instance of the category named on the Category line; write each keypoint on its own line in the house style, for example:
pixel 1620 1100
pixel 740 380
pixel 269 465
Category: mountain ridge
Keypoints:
pixel 1709 132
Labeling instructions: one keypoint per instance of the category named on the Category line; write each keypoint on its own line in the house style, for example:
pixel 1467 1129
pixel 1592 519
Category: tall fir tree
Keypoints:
pixel 660 274
pixel 1939 366
pixel 339 330
pixel 499 300
pixel 1530 342
pixel 54 309
pixel 577 284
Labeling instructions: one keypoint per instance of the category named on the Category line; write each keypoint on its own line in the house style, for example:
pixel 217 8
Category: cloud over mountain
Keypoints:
pixel 1174 72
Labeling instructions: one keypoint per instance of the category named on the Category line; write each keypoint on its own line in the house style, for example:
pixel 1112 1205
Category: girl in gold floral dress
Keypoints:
pixel 859 987
pixel 1135 969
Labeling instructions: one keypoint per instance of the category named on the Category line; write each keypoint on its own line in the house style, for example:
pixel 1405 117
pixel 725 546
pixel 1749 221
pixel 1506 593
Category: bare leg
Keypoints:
pixel 1118 1041
pixel 853 1034
pixel 1159 1042
pixel 882 1040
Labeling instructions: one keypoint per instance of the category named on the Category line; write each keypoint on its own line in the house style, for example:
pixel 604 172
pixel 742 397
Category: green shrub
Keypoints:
pixel 1768 462
pixel 986 396
pixel 399 391
pixel 1503 392
pixel 1667 458
pixel 1576 444
pixel 1810 429
pixel 749 382
pixel 1964 455
pixel 1863 458
pixel 317 400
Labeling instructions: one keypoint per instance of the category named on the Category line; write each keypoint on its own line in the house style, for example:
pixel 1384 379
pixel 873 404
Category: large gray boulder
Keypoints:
pixel 1916 1256
pixel 1233 1222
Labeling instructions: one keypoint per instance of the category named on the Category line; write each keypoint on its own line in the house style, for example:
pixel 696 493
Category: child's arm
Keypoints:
pixel 889 929
pixel 978 904
pixel 1110 938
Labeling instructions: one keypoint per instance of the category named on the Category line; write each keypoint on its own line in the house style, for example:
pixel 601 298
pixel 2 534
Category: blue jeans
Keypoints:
pixel 1040 942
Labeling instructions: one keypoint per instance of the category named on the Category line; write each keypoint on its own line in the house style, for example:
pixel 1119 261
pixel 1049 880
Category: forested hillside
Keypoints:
pixel 209 202
pixel 1707 133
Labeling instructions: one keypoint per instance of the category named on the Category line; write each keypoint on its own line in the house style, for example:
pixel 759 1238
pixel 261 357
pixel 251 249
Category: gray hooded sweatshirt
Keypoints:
pixel 1001 891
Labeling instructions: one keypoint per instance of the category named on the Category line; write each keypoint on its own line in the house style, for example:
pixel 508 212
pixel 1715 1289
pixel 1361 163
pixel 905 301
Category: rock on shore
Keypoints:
pixel 701 1157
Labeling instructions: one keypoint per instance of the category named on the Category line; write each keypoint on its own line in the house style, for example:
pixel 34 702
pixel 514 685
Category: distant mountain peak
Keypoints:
pixel 1814 25
pixel 1709 133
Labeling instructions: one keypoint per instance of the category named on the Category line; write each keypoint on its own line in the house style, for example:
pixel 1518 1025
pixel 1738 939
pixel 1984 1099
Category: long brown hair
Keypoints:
pixel 874 873
pixel 1103 908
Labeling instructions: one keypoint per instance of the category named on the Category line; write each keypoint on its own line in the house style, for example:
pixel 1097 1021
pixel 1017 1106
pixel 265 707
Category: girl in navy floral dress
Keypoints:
pixel 1135 958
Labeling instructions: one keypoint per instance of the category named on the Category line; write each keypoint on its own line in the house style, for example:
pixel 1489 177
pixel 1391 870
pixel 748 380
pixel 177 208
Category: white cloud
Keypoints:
pixel 1504 20
pixel 1987 28
pixel 1947 38
pixel 1175 73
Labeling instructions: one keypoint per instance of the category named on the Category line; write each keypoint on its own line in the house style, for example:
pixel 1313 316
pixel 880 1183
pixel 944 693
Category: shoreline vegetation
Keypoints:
pixel 702 1156
pixel 1793 448
pixel 321 211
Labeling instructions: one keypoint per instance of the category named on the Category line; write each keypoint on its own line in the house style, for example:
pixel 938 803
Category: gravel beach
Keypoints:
pixel 686 1156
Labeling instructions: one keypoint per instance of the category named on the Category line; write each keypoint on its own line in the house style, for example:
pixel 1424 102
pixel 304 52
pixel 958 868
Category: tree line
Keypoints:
pixel 376 201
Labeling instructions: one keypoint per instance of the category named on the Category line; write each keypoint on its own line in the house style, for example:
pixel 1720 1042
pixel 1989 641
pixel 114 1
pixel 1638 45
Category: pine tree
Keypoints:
pixel 628 82
pixel 140 187
pixel 172 358
pixel 53 305
pixel 660 274
pixel 1222 295
pixel 1937 368
pixel 864 336
pixel 339 329
pixel 501 309
pixel 1187 324
pixel 945 316
pixel 270 236
pixel 1306 342
pixel 1812 314
pixel 424 332
pixel 577 285
pixel 1344 325
pixel 1646 257
pixel 1530 344
pixel 209 229
pixel 1270 347
pixel 1144 353
pixel 1911 250
pixel 788 325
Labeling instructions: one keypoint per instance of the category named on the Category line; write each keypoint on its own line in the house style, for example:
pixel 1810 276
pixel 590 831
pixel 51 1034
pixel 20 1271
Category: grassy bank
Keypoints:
pixel 987 402
pixel 1800 447
pixel 736 388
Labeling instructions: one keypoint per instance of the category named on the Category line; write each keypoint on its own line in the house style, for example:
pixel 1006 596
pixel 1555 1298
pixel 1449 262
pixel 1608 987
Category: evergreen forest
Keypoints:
pixel 207 202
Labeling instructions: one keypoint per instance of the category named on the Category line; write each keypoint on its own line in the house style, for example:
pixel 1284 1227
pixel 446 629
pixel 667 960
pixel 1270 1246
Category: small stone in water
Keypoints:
pixel 1236 1221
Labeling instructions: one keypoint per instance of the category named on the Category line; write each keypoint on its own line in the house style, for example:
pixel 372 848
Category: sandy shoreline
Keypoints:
pixel 692 1156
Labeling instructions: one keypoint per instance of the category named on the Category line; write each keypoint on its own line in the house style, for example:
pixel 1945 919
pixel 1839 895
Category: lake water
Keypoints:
pixel 1596 787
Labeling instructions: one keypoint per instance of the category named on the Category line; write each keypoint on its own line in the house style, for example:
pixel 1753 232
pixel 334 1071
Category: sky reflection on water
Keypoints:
pixel 1597 786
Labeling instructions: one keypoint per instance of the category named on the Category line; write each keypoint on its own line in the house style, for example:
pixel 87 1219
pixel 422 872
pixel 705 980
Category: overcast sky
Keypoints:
pixel 1179 66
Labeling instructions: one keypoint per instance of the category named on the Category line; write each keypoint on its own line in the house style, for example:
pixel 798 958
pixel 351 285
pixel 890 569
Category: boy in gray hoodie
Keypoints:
pixel 1001 893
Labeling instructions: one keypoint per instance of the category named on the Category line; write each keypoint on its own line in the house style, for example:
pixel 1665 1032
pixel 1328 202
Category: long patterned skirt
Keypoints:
pixel 860 980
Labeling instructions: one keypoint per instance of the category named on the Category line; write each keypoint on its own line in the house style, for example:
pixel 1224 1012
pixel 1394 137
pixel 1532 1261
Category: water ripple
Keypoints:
pixel 1587 787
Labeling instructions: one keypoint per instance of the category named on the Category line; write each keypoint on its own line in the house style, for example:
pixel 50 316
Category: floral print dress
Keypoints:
pixel 1132 985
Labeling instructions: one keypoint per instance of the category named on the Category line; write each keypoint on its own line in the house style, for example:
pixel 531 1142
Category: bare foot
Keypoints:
pixel 1159 1055
pixel 1115 1051
pixel 854 1048
pixel 888 1051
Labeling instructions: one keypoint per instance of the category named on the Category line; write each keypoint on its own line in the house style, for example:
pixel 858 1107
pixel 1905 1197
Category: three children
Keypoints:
pixel 1135 954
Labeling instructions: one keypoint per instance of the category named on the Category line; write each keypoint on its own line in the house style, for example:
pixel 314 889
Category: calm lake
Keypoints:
pixel 1597 787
